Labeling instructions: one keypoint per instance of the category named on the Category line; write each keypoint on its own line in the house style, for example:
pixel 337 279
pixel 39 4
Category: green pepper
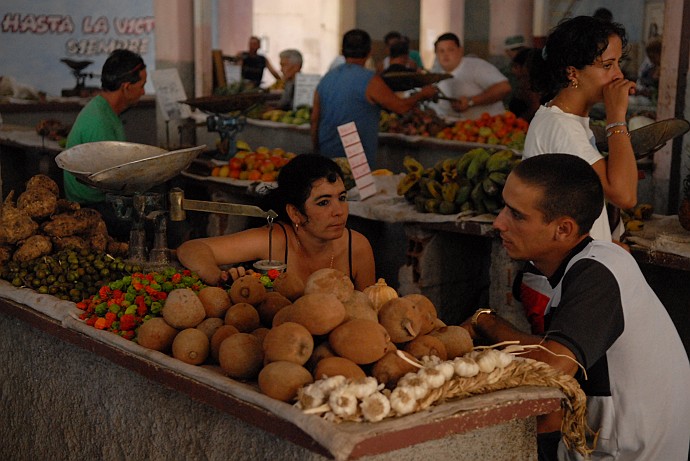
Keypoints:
pixel 101 309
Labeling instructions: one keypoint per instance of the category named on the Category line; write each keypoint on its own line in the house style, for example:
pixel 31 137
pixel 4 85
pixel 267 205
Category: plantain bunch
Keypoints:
pixel 471 182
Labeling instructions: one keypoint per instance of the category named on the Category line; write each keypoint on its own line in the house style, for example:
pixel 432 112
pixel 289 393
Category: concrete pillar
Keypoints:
pixel 234 24
pixel 436 18
pixel 540 22
pixel 203 62
pixel 508 18
pixel 667 105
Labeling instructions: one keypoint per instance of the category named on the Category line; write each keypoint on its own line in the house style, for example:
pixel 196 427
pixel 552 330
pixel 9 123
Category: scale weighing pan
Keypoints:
pixel 647 139
pixel 123 167
pixel 230 103
pixel 403 81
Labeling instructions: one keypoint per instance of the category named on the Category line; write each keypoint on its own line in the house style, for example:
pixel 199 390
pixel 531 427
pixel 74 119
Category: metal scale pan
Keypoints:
pixel 125 168
pixel 230 103
pixel 647 139
pixel 404 81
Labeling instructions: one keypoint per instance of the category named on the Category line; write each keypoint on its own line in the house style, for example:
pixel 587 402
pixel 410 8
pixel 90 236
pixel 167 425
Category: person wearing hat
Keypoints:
pixel 513 45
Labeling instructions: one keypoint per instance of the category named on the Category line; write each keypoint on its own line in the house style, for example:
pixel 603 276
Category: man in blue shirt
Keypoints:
pixel 352 93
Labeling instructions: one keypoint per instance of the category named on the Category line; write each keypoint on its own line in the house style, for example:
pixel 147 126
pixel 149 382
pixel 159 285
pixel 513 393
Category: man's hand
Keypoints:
pixel 461 104
pixel 429 92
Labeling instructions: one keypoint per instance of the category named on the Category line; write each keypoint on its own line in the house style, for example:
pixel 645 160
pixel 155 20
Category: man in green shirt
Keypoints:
pixel 122 81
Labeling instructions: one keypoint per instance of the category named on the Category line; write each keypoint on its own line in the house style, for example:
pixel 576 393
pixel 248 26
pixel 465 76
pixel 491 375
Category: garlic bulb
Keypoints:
pixel 446 368
pixel 417 385
pixel 364 387
pixel 433 377
pixel 343 402
pixel 465 367
pixel 375 407
pixel 402 400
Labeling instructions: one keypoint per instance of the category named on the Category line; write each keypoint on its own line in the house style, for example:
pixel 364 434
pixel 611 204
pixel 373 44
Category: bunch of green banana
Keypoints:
pixel 470 182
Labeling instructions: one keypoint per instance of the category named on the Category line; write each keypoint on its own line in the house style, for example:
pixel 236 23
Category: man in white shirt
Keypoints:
pixel 477 86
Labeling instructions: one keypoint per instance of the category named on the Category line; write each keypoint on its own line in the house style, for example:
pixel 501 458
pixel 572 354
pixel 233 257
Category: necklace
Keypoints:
pixel 299 246
pixel 564 107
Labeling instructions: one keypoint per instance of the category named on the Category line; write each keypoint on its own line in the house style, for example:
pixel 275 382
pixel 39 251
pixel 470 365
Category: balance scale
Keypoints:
pixel 227 115
pixel 127 171
pixel 80 89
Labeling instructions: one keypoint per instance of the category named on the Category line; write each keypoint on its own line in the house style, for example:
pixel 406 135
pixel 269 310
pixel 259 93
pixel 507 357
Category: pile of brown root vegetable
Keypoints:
pixel 40 222
pixel 343 354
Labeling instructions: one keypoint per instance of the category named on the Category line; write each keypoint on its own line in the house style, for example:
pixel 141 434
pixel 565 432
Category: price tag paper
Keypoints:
pixel 357 159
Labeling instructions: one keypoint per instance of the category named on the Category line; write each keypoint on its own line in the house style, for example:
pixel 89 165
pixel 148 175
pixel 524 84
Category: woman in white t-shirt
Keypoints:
pixel 579 69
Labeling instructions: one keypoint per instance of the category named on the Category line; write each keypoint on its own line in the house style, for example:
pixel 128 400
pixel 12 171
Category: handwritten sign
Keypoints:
pixel 233 72
pixel 354 151
pixel 305 85
pixel 36 35
pixel 169 93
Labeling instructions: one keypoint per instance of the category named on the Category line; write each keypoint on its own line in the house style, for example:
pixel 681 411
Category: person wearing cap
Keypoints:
pixel 477 86
pixel 123 77
pixel 514 44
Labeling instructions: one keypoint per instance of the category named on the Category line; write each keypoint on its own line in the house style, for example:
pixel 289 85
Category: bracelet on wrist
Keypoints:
pixel 615 124
pixel 619 131
pixel 475 317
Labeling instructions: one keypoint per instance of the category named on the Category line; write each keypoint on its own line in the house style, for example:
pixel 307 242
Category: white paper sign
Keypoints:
pixel 357 159
pixel 233 72
pixel 305 85
pixel 169 93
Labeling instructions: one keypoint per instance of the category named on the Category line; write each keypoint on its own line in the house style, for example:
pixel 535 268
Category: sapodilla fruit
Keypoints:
pixel 281 380
pixel 318 312
pixel 216 301
pixel 156 334
pixel 330 281
pixel 241 356
pixel 402 319
pixel 289 341
pixel 247 289
pixel 360 340
pixel 183 309
pixel 191 346
pixel 289 285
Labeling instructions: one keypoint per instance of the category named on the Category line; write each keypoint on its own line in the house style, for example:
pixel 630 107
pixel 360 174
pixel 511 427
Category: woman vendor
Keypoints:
pixel 310 232
pixel 578 71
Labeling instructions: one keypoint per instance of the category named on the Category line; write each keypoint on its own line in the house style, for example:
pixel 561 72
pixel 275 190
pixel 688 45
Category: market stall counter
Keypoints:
pixel 72 390
pixel 24 153
pixel 392 149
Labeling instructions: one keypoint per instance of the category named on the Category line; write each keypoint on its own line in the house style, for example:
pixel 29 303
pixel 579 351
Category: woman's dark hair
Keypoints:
pixel 576 42
pixel 121 66
pixel 569 185
pixel 296 179
pixel 356 44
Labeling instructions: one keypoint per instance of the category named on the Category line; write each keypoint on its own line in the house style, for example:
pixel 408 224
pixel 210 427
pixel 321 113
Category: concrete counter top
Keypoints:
pixel 84 375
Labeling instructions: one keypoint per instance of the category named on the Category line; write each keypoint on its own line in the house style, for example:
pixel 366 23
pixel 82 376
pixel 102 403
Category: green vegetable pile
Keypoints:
pixel 69 275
